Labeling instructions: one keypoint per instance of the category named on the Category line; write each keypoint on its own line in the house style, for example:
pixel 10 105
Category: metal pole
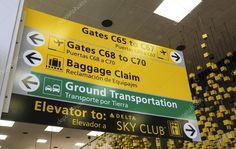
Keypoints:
pixel 51 141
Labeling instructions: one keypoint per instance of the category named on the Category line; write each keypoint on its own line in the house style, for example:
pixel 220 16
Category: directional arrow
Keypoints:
pixel 191 130
pixel 27 81
pixel 32 57
pixel 176 56
pixel 34 38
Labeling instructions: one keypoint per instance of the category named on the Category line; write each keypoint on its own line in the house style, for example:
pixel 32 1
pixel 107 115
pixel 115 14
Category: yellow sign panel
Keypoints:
pixel 80 52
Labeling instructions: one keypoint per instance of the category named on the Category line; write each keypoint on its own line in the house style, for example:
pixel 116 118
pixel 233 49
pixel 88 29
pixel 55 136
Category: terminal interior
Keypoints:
pixel 216 117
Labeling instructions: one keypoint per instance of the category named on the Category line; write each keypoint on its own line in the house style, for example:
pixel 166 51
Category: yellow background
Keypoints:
pixel 159 77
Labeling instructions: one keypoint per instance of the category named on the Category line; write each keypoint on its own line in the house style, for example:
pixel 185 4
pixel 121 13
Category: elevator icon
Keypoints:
pixel 175 128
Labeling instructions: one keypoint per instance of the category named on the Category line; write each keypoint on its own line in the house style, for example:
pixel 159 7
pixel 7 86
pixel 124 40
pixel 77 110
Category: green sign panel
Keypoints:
pixel 69 90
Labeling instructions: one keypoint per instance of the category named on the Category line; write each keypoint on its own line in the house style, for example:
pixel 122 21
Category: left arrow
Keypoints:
pixel 32 58
pixel 35 38
pixel 29 83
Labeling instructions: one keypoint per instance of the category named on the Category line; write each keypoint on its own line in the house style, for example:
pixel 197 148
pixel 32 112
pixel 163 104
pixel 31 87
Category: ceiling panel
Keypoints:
pixel 101 9
pixel 17 140
pixel 128 19
pixel 148 5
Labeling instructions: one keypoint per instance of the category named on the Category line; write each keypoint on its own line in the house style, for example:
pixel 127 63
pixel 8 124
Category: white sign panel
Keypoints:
pixel 10 13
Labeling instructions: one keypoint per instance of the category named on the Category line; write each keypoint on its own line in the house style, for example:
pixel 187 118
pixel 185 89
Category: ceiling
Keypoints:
pixel 17 140
pixel 135 18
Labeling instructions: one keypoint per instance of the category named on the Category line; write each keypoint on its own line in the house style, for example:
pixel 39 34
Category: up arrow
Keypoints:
pixel 34 38
pixel 191 130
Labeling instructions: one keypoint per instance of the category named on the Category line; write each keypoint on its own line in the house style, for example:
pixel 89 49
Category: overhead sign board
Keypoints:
pixel 73 63
pixel 72 50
